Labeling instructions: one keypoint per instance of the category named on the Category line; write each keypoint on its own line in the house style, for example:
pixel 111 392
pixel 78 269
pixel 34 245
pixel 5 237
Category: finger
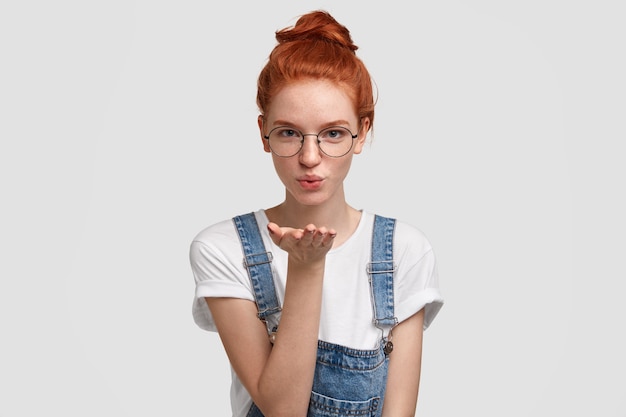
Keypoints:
pixel 329 238
pixel 290 238
pixel 308 234
pixel 320 236
pixel 298 234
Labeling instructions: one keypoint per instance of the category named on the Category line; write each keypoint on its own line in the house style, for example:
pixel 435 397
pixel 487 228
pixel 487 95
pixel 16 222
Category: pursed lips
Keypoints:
pixel 310 181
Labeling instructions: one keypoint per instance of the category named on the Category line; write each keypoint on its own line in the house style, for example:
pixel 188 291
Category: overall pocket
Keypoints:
pixel 323 406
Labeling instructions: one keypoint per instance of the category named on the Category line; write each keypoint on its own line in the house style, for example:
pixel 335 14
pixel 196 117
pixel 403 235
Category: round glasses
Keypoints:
pixel 335 141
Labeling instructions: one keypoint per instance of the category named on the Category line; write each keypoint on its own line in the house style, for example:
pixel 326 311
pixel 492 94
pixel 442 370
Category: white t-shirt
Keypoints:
pixel 346 317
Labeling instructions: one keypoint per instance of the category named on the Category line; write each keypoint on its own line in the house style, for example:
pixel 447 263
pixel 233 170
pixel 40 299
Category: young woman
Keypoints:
pixel 320 307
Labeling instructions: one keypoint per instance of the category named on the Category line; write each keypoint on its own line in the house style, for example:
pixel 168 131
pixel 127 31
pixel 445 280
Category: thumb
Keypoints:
pixel 275 232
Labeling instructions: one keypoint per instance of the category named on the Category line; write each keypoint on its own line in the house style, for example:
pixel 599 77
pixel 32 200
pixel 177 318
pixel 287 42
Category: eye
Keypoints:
pixel 285 132
pixel 334 134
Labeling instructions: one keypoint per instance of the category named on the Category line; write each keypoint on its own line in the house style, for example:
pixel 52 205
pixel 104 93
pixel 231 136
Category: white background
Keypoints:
pixel 128 126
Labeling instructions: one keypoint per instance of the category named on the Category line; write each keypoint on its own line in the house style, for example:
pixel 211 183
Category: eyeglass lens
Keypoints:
pixel 333 141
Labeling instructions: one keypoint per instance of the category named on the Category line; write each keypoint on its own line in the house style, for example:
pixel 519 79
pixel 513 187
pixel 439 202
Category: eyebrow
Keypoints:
pixel 339 122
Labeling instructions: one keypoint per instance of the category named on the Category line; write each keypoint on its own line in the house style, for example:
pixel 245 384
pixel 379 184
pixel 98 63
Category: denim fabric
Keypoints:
pixel 254 411
pixel 348 382
pixel 257 261
pixel 380 270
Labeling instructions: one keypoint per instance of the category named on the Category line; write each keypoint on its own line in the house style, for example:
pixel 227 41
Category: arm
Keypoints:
pixel 405 364
pixel 279 377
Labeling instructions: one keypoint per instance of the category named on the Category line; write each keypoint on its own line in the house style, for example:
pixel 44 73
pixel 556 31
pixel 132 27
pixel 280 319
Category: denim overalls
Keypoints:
pixel 347 382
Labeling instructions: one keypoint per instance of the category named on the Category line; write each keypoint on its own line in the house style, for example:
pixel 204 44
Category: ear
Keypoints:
pixel 362 135
pixel 266 144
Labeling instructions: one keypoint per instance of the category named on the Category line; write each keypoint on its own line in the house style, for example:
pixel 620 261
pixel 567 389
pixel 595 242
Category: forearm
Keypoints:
pixel 405 364
pixel 285 384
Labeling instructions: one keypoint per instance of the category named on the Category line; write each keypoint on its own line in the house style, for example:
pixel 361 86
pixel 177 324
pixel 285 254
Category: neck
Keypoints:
pixel 338 215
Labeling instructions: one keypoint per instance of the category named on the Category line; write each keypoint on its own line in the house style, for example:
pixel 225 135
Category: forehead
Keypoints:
pixel 311 101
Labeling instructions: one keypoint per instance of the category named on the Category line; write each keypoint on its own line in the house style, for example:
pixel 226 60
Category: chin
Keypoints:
pixel 310 199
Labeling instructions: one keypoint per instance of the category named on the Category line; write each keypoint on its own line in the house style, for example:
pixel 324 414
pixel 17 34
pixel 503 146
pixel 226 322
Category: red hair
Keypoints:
pixel 317 47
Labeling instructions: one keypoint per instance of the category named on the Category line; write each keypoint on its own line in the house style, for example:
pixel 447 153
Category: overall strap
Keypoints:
pixel 380 271
pixel 258 263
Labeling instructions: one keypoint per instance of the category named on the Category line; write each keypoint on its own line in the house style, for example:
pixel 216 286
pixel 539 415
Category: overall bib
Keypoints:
pixel 347 382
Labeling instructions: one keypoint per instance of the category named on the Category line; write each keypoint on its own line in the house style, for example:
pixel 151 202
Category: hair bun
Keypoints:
pixel 317 26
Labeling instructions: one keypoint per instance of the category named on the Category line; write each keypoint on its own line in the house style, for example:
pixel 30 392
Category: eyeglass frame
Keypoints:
pixel 317 136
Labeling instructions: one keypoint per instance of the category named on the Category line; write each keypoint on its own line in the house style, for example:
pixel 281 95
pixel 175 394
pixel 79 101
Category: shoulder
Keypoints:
pixel 225 231
pixel 411 237
pixel 407 237
pixel 218 234
pixel 220 239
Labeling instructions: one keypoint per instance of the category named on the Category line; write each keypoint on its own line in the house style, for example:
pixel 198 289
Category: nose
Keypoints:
pixel 310 154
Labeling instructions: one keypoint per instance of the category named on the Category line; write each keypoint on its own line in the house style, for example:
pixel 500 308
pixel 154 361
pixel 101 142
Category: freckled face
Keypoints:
pixel 311 177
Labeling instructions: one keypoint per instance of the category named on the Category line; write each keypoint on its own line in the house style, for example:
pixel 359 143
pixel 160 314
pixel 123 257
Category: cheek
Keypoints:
pixel 282 166
pixel 341 167
pixel 346 161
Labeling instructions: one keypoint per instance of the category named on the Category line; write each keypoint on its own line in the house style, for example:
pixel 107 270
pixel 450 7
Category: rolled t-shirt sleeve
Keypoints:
pixel 417 279
pixel 217 264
